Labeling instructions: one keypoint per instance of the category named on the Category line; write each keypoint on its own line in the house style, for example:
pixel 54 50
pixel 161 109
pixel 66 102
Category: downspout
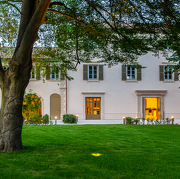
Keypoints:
pixel 66 93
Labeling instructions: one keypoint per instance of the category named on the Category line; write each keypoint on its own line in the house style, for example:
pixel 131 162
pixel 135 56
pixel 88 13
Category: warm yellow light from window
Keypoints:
pixel 151 103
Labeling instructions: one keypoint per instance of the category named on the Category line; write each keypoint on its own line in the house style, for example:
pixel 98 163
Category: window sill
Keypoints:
pixel 93 81
pixel 168 81
pixel 131 81
pixel 53 80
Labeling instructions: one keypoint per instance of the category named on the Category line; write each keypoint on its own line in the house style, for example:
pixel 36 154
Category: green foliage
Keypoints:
pixel 129 120
pixel 135 121
pixel 69 118
pixel 45 119
pixel 31 108
pixel 113 31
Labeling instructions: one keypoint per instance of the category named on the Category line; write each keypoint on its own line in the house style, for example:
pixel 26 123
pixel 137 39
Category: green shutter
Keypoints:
pixel 123 73
pixel 161 72
pixel 37 73
pixel 47 73
pixel 62 74
pixel 100 72
pixel 85 72
pixel 139 74
pixel 176 76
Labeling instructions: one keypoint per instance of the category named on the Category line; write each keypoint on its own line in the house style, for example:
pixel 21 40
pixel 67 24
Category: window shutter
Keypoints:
pixel 62 74
pixel 100 72
pixel 161 72
pixel 123 73
pixel 37 73
pixel 85 72
pixel 176 76
pixel 139 74
pixel 47 73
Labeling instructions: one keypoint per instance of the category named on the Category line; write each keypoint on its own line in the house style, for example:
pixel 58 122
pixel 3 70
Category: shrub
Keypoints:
pixel 45 119
pixel 69 118
pixel 129 120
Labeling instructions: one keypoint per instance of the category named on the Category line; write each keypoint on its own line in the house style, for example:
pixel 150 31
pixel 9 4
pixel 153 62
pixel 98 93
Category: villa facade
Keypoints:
pixel 101 93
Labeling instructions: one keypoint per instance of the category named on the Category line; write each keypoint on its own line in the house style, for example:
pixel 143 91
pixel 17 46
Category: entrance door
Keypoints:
pixel 93 108
pixel 55 106
pixel 152 108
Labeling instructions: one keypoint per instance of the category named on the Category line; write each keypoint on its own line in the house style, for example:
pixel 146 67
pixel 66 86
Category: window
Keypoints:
pixel 93 72
pixel 130 74
pixel 166 75
pixel 54 74
pixel 33 76
pixel 35 73
pixel 93 108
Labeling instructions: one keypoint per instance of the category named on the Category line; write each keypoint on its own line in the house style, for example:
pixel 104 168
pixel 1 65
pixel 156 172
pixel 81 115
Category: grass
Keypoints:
pixel 65 151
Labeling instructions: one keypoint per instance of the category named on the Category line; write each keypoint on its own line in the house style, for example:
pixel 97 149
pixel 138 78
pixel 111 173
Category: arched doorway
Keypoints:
pixel 55 106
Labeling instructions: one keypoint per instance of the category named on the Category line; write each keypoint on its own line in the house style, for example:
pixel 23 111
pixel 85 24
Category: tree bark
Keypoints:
pixel 13 89
pixel 15 79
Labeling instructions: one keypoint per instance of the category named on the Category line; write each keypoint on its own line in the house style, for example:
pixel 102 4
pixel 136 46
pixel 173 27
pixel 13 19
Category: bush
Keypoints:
pixel 45 119
pixel 69 118
pixel 129 120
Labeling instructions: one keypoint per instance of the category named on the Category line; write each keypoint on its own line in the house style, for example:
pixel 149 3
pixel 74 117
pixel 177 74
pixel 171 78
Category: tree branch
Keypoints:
pixel 75 19
pixel 27 9
pixel 6 2
pixel 60 4
pixel 30 33
pixel 115 30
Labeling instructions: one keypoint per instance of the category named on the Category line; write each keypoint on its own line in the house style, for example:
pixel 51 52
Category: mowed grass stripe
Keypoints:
pixel 65 151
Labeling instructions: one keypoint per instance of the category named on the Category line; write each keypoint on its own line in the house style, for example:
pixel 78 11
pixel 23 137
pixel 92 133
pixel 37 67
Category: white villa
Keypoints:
pixel 101 93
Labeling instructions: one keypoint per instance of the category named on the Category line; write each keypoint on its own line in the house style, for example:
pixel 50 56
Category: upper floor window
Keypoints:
pixel 92 72
pixel 167 75
pixel 54 74
pixel 33 76
pixel 35 73
pixel 130 73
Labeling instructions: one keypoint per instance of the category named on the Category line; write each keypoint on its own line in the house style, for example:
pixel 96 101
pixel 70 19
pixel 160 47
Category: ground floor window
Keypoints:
pixel 93 108
pixel 151 108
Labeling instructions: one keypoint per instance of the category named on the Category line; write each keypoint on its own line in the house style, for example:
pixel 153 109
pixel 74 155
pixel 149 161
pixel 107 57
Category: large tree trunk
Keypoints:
pixel 14 84
pixel 14 80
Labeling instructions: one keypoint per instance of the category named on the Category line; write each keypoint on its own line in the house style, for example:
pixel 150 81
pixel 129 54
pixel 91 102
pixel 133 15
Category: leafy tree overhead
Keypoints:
pixel 112 30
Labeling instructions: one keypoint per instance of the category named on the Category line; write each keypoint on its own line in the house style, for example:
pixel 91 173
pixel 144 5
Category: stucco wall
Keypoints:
pixel 119 97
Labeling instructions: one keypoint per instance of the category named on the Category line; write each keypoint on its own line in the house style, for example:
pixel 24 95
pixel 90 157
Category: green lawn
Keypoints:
pixel 65 151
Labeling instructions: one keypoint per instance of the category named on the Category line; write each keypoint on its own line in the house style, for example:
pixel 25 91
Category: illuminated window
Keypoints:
pixel 152 108
pixel 93 108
